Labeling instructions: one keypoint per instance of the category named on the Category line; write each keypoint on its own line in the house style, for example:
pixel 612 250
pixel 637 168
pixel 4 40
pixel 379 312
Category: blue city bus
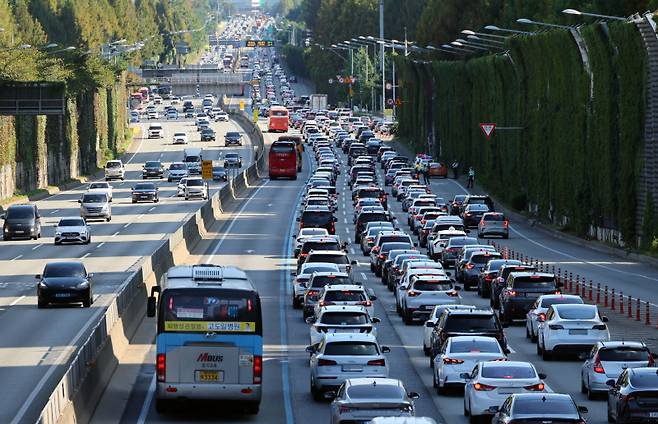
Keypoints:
pixel 209 336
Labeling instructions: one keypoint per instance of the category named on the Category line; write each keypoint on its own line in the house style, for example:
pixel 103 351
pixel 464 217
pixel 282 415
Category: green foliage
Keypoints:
pixel 294 57
pixel 542 85
pixel 649 223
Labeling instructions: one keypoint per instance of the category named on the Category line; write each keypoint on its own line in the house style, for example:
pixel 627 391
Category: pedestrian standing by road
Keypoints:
pixel 426 173
pixel 471 177
pixel 455 169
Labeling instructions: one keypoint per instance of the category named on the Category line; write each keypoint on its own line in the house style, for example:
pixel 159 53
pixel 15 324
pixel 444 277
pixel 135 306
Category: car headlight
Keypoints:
pixel 83 284
pixel 42 285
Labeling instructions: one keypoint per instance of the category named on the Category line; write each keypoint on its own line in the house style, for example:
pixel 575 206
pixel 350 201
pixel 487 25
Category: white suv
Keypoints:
pixel 155 131
pixel 115 170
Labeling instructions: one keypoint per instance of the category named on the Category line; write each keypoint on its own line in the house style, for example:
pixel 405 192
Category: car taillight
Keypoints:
pixel 488 277
pixel 541 317
pixel 258 369
pixel 161 366
pixel 452 361
pixel 599 327
pixel 470 266
pixel 452 293
pixel 480 387
pixel 375 249
pixel 377 363
pixel 483 224
pixel 556 327
pixel 344 409
pixel 413 293
pixel 312 292
pixel 382 256
pixel 467 214
pixel 370 239
pixel 326 362
pixel 511 293
pixel 422 222
pixel 539 387
pixel 651 361
pixel 325 303
pixel 364 303
pixel 598 367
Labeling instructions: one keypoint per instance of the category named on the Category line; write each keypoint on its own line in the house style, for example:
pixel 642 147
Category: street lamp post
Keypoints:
pixel 546 24
pixel 593 15
pixel 512 31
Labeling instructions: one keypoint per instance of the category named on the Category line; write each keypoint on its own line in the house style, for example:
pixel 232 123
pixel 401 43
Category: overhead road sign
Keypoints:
pixel 32 98
pixel 259 43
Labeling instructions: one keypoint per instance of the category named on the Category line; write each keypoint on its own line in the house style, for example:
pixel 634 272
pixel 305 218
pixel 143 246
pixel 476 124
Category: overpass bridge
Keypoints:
pixel 185 81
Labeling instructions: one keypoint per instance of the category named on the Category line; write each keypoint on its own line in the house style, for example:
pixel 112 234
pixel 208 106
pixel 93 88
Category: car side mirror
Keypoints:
pixel 465 376
pixel 298 219
pixel 330 395
pixel 293 273
pixel 3 216
pixel 79 200
pixel 494 409
pixel 150 306
pixel 610 383
pixel 415 244
pixel 413 395
pixel 353 262
pixel 604 319
pixel 457 288
pixel 542 376
pixel 376 320
pixel 335 219
pixel 294 236
pixel 430 324
pixel 583 409
pixel 385 349
pixel 310 320
pixel 507 351
pixel 467 231
pixel 38 276
pixel 310 349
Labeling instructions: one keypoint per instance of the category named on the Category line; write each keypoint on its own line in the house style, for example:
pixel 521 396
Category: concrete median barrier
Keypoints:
pixel 76 395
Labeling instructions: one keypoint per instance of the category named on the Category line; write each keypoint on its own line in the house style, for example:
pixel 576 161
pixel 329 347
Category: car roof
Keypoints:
pixel 350 337
pixel 473 338
pixel 343 308
pixel 327 252
pixel 369 381
pixel 503 364
pixel 531 274
pixel 310 264
pixel 329 274
pixel 478 311
pixel 338 287
pixel 621 343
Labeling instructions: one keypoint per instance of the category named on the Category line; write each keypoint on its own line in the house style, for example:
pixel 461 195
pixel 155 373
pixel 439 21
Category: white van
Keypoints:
pixel 114 170
pixel 192 158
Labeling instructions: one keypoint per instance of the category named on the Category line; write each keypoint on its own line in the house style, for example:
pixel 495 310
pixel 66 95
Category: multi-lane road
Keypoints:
pixel 36 344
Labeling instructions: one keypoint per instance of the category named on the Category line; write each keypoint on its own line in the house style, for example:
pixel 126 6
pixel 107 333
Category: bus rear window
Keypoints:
pixel 219 311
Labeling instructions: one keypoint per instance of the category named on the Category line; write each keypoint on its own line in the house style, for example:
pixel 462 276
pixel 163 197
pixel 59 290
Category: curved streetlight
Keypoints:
pixel 469 32
pixel 546 24
pixel 593 15
pixel 65 49
pixel 513 31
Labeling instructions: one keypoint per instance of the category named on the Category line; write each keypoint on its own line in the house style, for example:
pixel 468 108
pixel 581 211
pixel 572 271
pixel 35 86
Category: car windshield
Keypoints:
pixel 477 208
pixel 195 183
pixel 145 186
pixel 477 322
pixel 179 134
pixel 624 354
pixel 316 218
pixel 576 312
pixel 328 258
pixel 64 270
pixel 345 296
pixel 98 186
pixel 515 371
pixel 391 246
pixel 320 245
pixel 113 165
pixel 323 280
pixel 458 242
pixel 344 318
pixel 20 212
pixel 94 198
pixel 495 217
pixel 645 380
pixel 534 282
pixel 394 238
pixel 232 134
pixel 381 391
pixel 71 222
pixel 474 346
pixel 177 166
pixel 545 406
pixel 306 232
pixel 231 156
pixel 432 285
pixel 481 259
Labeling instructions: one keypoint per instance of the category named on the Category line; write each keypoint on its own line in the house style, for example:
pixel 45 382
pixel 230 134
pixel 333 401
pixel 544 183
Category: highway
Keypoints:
pixel 37 344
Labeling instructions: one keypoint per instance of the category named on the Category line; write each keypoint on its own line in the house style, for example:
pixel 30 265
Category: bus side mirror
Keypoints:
pixel 150 307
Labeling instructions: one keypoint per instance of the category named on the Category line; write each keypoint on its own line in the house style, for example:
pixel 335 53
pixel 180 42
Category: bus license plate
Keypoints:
pixel 210 376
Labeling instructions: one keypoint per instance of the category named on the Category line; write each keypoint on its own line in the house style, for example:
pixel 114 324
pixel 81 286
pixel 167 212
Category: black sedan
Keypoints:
pixel 145 192
pixel 540 408
pixel 233 137
pixel 219 173
pixel 153 169
pixel 633 397
pixel 64 282
pixel 207 134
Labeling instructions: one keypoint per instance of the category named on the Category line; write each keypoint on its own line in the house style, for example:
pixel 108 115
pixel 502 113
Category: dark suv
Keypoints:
pixel 521 291
pixel 153 169
pixel 470 272
pixel 21 221
pixel 464 322
pixel 366 217
pixel 233 137
pixel 499 283
pixel 318 217
pixel 490 272
pixel 477 200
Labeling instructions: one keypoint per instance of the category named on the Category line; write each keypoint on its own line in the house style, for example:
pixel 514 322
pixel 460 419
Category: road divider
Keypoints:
pixel 77 393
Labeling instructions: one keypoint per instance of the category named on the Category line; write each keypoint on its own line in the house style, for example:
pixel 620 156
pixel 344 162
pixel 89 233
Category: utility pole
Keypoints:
pixel 351 76
pixel 381 49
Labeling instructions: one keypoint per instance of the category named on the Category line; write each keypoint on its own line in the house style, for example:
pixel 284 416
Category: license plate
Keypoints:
pixel 507 391
pixel 352 368
pixel 577 332
pixel 62 294
pixel 653 414
pixel 19 231
pixel 210 376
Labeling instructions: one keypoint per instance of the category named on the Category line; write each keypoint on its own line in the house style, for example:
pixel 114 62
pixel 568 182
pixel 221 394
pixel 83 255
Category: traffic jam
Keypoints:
pixel 440 272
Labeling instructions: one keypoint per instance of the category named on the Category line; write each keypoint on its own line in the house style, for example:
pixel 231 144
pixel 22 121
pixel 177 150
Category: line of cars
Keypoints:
pixel 467 345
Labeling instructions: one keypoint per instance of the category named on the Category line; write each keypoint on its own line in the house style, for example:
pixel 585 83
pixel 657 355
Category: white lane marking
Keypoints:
pixel 18 299
pixel 17 257
pixel 349 240
pixel 115 234
pixel 344 219
pixel 364 276
pixel 141 216
pixel 146 406
pixel 100 245
pixel 566 255
pixel 37 246
pixel 85 255
pixel 352 251
pixel 127 225
pixel 152 209
pixel 55 211
pixel 347 230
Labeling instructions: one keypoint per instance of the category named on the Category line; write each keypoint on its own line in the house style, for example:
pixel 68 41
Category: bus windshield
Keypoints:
pixel 210 310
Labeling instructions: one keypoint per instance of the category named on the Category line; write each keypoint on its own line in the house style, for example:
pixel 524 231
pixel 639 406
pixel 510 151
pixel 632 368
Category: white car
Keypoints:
pixel 571 328
pixel 425 292
pixel 409 275
pixel 433 319
pixel 195 187
pixel 157 99
pixel 180 138
pixel 340 356
pixel 155 131
pixel 340 319
pixel 152 114
pixel 436 245
pixel 607 360
pixel 306 233
pixel 175 100
pixel 540 307
pixel 221 116
pixel 176 171
pixel 489 384
pixel 180 189
pixel 101 186
pixel 459 356
pixel 114 170
pixel 346 294
pixel 72 230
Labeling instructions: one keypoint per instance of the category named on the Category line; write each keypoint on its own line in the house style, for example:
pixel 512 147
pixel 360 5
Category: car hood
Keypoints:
pixel 59 282
pixel 144 191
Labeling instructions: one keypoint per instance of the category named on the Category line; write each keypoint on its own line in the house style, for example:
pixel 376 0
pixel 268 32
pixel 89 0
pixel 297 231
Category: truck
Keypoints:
pixel 318 102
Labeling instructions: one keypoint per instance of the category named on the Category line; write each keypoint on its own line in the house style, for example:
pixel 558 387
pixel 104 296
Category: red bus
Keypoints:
pixel 283 160
pixel 278 120
pixel 300 148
